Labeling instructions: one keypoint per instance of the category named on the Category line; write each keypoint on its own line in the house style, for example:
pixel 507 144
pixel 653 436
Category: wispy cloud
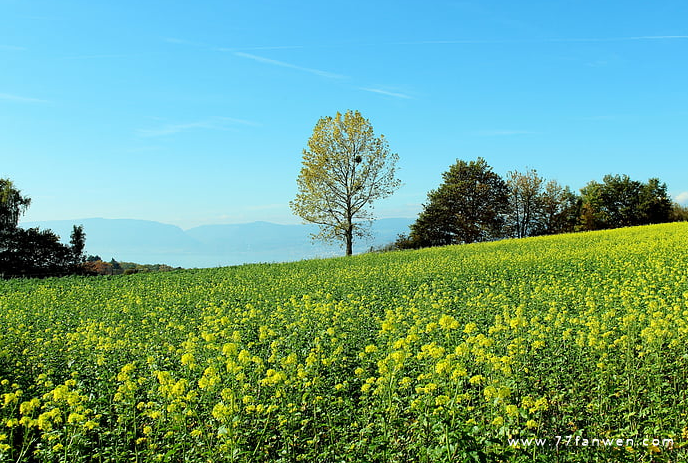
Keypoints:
pixel 214 123
pixel 104 56
pixel 621 39
pixel 266 47
pixel 178 41
pixel 11 48
pixel 273 62
pixel 385 92
pixel 502 133
pixel 569 39
pixel 682 198
pixel 601 117
pixel 20 99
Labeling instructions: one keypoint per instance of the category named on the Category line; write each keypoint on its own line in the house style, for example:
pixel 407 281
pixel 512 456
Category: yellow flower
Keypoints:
pixel 470 328
pixel 447 322
pixel 477 379
pixel 90 425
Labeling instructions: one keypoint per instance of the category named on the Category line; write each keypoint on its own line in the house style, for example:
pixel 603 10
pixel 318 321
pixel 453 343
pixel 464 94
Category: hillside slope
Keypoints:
pixel 445 354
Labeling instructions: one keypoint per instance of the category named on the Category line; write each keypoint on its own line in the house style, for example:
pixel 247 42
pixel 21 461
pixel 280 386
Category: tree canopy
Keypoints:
pixel 33 252
pixel 346 167
pixel 469 206
pixel 12 205
pixel 476 204
pixel 619 201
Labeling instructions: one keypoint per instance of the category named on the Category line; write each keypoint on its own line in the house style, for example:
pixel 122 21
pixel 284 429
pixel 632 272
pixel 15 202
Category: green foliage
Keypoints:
pixel 77 242
pixel 678 213
pixel 345 169
pixel 33 252
pixel 525 202
pixel 12 205
pixel 537 207
pixel 620 201
pixel 469 206
pixel 559 209
pixel 95 266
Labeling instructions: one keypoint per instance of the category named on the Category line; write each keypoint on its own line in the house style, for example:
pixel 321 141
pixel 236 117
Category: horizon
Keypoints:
pixel 75 221
pixel 198 115
pixel 211 245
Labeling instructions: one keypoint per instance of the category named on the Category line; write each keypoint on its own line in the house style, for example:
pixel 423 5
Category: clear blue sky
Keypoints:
pixel 192 113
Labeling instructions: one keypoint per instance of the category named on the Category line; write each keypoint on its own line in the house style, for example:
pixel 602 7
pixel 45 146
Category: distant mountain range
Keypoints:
pixel 149 242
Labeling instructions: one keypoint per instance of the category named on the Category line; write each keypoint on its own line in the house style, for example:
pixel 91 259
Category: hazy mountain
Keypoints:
pixel 149 242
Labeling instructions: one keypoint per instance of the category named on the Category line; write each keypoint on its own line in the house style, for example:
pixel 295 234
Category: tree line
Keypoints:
pixel 33 252
pixel 95 265
pixel 346 168
pixel 474 203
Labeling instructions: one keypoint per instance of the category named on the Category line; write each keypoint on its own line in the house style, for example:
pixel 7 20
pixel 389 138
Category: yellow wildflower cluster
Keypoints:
pixel 420 354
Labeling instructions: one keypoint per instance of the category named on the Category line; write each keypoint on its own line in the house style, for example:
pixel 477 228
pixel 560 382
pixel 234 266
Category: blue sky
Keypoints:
pixel 197 113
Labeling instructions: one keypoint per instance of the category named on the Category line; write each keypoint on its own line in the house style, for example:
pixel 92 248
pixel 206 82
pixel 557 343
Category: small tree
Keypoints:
pixel 78 243
pixel 469 206
pixel 345 169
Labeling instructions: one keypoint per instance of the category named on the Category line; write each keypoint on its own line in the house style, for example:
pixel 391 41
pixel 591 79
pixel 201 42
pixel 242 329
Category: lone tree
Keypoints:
pixel 345 169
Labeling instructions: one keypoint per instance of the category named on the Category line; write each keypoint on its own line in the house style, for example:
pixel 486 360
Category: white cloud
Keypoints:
pixel 385 92
pixel 682 198
pixel 274 62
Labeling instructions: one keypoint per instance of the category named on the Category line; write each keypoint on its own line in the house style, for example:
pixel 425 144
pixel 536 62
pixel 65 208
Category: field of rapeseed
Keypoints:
pixel 570 348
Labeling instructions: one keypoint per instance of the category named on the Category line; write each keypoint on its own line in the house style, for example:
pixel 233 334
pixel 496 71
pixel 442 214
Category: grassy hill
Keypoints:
pixel 463 353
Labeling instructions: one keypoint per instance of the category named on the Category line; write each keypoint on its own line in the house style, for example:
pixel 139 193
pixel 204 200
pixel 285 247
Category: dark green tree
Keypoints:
pixel 655 205
pixel 12 205
pixel 33 252
pixel 77 240
pixel 469 206
pixel 679 213
pixel 620 201
pixel 559 209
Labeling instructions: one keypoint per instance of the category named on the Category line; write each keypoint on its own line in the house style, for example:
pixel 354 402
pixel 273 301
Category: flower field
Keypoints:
pixel 570 348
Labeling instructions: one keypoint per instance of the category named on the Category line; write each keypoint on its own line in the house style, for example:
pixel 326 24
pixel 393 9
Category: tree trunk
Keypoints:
pixel 349 240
